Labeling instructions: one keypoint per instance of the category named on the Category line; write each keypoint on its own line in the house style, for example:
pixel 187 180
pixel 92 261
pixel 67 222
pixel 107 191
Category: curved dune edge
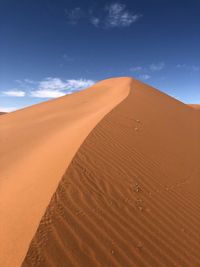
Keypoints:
pixel 36 146
pixel 130 197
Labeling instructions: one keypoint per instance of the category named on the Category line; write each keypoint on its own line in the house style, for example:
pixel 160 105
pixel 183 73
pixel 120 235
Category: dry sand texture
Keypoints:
pixel 131 195
pixel 36 146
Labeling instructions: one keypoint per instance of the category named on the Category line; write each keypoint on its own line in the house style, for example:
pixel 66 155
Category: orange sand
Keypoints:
pixel 130 196
pixel 36 146
pixel 195 106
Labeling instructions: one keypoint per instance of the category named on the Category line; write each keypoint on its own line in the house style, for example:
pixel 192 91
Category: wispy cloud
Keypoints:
pixel 95 21
pixel 136 69
pixel 181 66
pixel 79 84
pixel 119 16
pixel 146 72
pixel 68 58
pixel 49 88
pixel 14 93
pixel 45 93
pixel 157 66
pixel 55 87
pixel 115 15
pixel 151 68
pixel 7 109
pixel 193 68
pixel 25 81
pixel 52 84
pixel 144 77
pixel 74 15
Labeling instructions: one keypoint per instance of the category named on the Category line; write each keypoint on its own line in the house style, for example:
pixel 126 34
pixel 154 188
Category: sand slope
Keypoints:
pixel 2 113
pixel 130 196
pixel 36 146
pixel 195 106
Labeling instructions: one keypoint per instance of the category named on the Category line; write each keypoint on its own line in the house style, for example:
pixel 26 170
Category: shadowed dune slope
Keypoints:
pixel 2 113
pixel 36 146
pixel 130 196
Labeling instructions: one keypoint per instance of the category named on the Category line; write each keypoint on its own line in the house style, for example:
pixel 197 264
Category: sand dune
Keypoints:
pixel 130 196
pixel 36 146
pixel 195 106
pixel 2 113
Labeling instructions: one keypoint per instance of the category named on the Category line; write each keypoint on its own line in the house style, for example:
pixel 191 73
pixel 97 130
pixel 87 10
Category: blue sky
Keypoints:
pixel 50 48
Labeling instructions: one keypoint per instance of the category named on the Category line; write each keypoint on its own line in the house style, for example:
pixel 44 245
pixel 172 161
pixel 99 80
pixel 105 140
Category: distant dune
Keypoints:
pixel 129 195
pixel 2 113
pixel 195 106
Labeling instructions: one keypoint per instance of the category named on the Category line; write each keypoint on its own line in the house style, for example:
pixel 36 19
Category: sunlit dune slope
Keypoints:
pixel 130 196
pixel 36 146
pixel 195 106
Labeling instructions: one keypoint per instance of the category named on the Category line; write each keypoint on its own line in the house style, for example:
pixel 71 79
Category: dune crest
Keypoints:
pixel 130 197
pixel 36 146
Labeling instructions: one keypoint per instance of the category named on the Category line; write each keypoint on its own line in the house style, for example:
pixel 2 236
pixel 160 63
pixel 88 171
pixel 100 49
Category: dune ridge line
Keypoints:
pixel 130 197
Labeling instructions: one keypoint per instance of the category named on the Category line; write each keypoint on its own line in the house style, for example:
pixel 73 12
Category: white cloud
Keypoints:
pixel 55 87
pixel 50 87
pixel 67 58
pixel 14 93
pixel 21 82
pixel 144 72
pixel 192 68
pixel 180 66
pixel 119 16
pixel 45 93
pixel 157 66
pixel 141 72
pixel 95 21
pixel 112 16
pixel 52 84
pixel 74 15
pixel 195 68
pixel 136 69
pixel 79 84
pixel 29 81
pixel 7 109
pixel 144 76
